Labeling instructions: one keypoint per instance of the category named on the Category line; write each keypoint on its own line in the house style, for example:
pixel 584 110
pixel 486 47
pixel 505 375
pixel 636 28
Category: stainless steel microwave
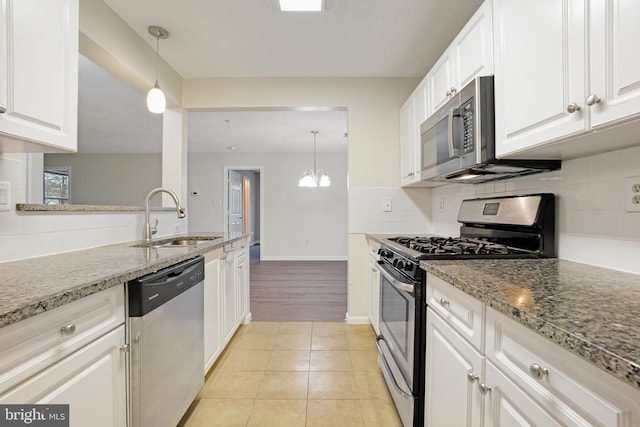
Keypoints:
pixel 458 140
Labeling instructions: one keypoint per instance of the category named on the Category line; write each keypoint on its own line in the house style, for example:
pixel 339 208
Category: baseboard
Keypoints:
pixel 304 258
pixel 247 319
pixel 357 320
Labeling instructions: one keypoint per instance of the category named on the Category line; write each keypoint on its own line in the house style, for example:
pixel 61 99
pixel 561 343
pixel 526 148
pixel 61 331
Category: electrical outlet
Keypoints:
pixel 386 204
pixel 632 194
pixel 176 228
pixel 441 204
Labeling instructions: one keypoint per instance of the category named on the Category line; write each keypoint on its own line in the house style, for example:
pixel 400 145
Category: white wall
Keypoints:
pixel 593 226
pixel 298 223
pixel 111 179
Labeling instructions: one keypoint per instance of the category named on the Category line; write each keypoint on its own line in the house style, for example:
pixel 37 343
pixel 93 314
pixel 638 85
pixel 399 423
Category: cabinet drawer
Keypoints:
pixel 464 313
pixel 37 342
pixel 576 392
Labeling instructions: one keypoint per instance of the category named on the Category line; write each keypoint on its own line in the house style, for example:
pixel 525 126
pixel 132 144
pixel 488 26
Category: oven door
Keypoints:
pixel 396 343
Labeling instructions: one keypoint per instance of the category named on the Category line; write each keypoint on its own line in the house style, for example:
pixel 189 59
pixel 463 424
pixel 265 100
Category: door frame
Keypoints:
pixel 225 198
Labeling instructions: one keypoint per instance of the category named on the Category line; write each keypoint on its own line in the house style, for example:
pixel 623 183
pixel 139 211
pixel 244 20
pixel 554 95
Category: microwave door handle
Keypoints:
pixel 452 150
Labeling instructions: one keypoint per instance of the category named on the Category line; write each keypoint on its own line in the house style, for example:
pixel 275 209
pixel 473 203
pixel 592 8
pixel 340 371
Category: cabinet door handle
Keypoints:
pixel 444 302
pixel 453 91
pixel 67 330
pixel 484 388
pixel 593 99
pixel 3 109
pixel 572 108
pixel 538 372
pixel 471 377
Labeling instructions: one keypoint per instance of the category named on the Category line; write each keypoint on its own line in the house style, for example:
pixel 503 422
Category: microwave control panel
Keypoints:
pixel 466 111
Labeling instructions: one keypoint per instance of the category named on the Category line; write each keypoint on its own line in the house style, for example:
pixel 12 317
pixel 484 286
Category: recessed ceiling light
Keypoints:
pixel 301 5
pixel 231 148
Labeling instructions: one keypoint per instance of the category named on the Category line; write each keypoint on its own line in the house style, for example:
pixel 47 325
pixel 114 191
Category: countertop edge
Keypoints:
pixel 60 298
pixel 616 365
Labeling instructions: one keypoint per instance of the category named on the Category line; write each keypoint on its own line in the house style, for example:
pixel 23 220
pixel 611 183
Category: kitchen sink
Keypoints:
pixel 177 242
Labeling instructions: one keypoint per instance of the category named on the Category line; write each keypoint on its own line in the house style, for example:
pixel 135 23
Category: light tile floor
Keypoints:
pixel 294 374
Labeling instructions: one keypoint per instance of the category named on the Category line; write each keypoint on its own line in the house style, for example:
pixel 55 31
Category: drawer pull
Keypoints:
pixel 444 302
pixel 67 330
pixel 538 372
pixel 471 377
pixel 484 389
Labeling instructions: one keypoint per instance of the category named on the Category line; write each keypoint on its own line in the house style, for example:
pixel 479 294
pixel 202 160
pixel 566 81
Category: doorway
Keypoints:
pixel 243 201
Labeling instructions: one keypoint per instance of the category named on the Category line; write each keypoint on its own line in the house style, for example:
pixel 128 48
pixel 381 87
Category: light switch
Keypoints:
pixel 386 204
pixel 5 196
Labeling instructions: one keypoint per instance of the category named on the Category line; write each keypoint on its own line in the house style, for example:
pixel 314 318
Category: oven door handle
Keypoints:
pixel 388 369
pixel 406 287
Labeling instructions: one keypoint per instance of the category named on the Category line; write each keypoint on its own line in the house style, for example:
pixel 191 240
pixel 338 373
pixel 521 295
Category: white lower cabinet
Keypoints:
pixel 373 275
pixel 73 354
pixel 453 370
pixel 507 405
pixel 226 294
pixel 241 268
pixel 517 376
pixel 565 387
pixel 212 318
pixel 229 290
pixel 91 381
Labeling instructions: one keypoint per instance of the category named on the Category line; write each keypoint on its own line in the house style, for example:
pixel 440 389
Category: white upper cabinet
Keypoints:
pixel 469 55
pixel 563 69
pixel 38 75
pixel 614 28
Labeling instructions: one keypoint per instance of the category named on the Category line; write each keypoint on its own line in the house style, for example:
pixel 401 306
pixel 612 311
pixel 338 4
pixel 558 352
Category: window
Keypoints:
pixel 56 186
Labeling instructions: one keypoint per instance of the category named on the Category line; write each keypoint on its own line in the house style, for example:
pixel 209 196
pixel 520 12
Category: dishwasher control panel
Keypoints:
pixel 149 292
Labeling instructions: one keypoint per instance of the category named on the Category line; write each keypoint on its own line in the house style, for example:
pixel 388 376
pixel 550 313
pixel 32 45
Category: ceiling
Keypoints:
pixel 252 38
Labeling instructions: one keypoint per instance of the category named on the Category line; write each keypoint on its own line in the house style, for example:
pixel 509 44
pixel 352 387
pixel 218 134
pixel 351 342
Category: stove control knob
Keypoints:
pixel 408 266
pixel 400 264
pixel 385 253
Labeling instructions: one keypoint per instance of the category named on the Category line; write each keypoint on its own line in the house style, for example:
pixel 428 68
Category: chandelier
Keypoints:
pixel 314 177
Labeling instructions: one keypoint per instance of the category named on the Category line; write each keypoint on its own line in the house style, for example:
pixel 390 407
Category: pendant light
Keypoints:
pixel 314 177
pixel 156 101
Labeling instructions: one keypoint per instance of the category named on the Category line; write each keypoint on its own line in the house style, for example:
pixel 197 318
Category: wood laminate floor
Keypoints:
pixel 298 291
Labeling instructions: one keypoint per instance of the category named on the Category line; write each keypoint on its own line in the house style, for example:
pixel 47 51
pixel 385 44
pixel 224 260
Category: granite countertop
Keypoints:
pixel 591 311
pixel 36 285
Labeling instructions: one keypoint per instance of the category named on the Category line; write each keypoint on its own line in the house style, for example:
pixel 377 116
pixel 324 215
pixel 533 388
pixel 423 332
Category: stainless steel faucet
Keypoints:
pixel 147 230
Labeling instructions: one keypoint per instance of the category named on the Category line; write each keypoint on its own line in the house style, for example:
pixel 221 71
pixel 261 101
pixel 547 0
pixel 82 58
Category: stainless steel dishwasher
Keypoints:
pixel 166 334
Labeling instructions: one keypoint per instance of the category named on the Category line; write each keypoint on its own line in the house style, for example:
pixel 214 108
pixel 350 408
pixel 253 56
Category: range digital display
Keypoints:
pixel 490 209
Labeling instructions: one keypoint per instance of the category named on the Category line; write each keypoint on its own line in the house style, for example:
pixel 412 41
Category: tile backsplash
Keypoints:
pixel 410 210
pixel 593 225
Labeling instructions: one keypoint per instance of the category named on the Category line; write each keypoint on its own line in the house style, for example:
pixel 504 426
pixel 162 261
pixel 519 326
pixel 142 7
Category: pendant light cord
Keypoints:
pixel 157 55
pixel 315 169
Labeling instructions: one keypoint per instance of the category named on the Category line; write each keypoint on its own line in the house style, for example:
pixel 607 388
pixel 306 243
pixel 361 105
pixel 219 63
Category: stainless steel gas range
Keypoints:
pixel 499 227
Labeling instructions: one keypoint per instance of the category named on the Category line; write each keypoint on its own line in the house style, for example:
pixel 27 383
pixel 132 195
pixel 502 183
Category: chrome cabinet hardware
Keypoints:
pixel 124 348
pixel 593 99
pixel 572 108
pixel 471 377
pixel 69 329
pixel 444 302
pixel 484 388
pixel 451 92
pixel 537 371
pixel 3 109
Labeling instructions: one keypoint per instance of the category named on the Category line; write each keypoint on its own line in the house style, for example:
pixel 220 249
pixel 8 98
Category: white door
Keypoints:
pixel 234 222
